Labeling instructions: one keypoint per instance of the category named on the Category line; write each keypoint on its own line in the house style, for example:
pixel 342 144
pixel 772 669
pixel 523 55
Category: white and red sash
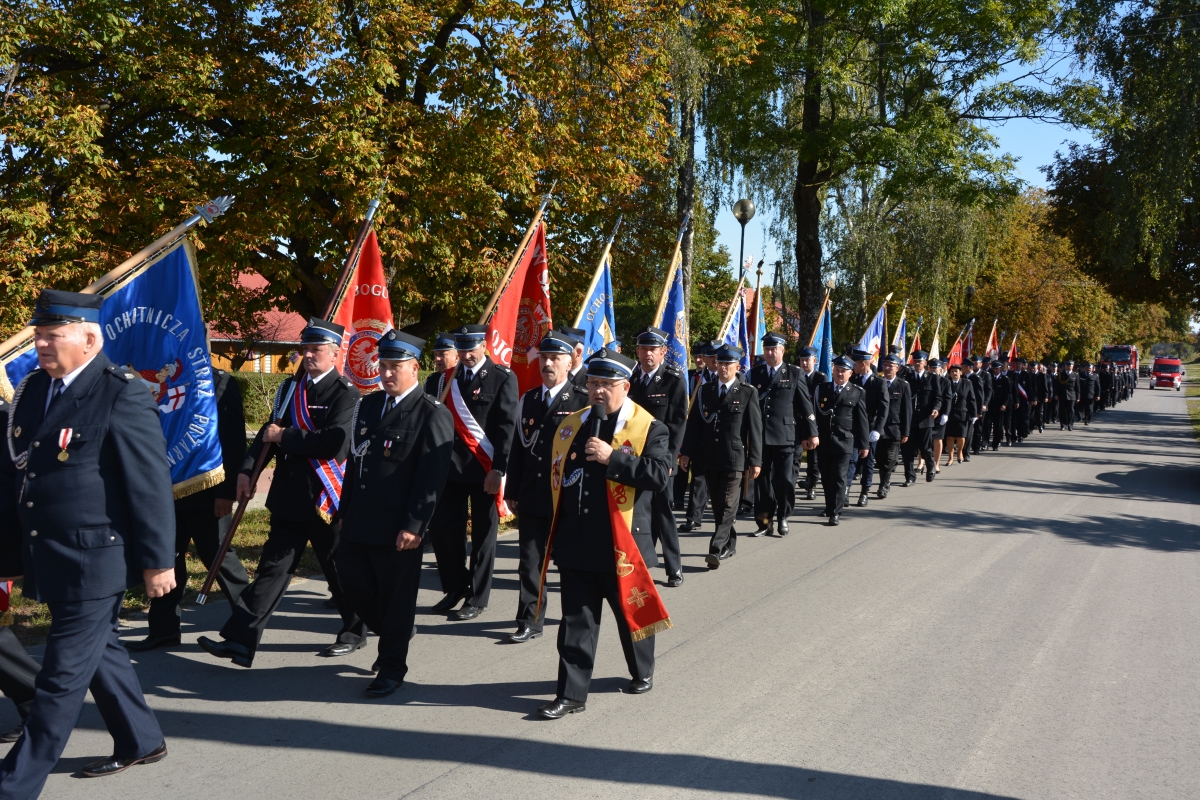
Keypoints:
pixel 330 472
pixel 474 437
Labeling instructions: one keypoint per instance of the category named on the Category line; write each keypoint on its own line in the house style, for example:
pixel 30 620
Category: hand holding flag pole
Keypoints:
pixel 264 454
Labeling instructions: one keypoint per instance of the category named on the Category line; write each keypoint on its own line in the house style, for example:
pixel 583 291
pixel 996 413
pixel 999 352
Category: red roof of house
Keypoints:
pixel 282 327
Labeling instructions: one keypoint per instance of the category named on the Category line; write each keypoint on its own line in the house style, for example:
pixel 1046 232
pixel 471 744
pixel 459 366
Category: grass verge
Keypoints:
pixel 1191 391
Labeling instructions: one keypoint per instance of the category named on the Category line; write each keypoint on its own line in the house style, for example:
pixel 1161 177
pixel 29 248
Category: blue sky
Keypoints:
pixel 1032 143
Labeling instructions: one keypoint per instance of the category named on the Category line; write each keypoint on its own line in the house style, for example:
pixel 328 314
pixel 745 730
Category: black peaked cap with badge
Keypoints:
pixel 56 307
pixel 399 346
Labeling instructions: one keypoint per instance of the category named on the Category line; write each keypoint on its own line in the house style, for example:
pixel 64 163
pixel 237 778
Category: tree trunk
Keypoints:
pixel 685 196
pixel 806 197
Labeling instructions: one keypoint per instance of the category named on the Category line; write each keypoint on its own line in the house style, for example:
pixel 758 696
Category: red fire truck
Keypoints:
pixel 1120 355
pixel 1167 372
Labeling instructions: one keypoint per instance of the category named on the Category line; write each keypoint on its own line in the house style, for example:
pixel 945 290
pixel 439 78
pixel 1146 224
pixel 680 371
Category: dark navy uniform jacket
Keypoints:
pixel 295 487
pixel 878 399
pixel 87 527
pixel 528 479
pixel 583 531
pixel 787 413
pixel 397 468
pixel 926 398
pixel 491 396
pixel 900 410
pixel 666 397
pixel 724 435
pixel 842 418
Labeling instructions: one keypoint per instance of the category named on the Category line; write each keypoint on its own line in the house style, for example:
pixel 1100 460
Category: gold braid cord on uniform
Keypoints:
pixel 643 609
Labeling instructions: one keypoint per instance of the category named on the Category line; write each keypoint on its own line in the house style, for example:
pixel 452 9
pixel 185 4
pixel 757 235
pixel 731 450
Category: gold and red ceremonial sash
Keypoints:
pixel 644 611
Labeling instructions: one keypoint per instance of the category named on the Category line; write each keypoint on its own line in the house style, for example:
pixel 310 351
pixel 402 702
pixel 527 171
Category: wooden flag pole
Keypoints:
pixel 675 259
pixel 599 271
pixel 205 213
pixel 737 298
pixel 820 316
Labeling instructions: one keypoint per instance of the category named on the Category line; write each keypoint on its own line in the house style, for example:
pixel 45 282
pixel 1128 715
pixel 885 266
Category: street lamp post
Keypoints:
pixel 743 211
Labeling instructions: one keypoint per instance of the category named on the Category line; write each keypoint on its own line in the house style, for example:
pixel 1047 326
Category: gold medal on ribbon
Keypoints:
pixel 64 439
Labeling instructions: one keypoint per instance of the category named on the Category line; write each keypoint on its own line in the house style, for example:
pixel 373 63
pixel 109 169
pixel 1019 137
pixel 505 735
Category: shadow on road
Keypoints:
pixel 522 756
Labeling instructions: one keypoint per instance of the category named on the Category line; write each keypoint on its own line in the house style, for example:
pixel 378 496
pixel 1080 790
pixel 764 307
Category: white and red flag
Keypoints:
pixel 366 314
pixel 993 345
pixel 522 315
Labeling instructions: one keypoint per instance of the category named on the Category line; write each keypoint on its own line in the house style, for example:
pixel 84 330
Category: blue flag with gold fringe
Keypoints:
pixel 597 319
pixel 152 323
pixel 674 322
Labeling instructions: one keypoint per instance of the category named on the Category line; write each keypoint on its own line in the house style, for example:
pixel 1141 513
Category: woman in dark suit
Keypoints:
pixel 961 410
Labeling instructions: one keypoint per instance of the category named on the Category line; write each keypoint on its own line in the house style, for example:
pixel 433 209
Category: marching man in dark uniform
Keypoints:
pixel 897 425
pixel 310 429
pixel 527 488
pixel 204 517
pixel 86 460
pixel 400 448
pixel 661 389
pixel 706 360
pixel 813 377
pixel 723 441
pixel 981 380
pixel 1089 388
pixel 927 407
pixel 787 420
pixel 607 462
pixel 445 357
pixel 844 430
pixel 878 400
pixel 1066 389
pixel 999 405
pixel 483 398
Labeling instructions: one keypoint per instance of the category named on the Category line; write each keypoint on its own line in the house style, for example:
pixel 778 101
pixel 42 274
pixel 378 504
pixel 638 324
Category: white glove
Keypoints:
pixel 942 419
pixel 874 437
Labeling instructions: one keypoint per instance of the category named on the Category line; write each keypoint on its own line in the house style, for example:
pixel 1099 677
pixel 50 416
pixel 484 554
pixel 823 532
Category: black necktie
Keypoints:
pixel 389 405
pixel 723 390
pixel 56 390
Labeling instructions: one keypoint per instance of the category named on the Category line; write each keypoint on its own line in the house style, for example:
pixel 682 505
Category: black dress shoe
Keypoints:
pixel 382 687
pixel 810 494
pixel 448 602
pixel 674 581
pixel 112 765
pixel 524 634
pixel 329 603
pixel 713 560
pixel 929 477
pixel 239 654
pixel 825 512
pixel 688 527
pixel 342 649
pixel 907 482
pixel 881 493
pixel 763 530
pixel 781 527
pixel 151 642
pixel 834 521
pixel 466 612
pixel 560 708
pixel 640 686
pixel 862 500
pixel 11 736
pixel 726 553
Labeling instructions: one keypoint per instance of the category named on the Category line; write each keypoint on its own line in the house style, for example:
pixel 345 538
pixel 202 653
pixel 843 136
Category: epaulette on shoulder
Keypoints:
pixel 503 368
pixel 122 372
pixel 431 399
pixel 349 384
pixel 674 370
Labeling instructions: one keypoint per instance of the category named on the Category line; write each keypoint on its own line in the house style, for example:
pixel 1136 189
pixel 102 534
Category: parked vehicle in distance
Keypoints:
pixel 1120 355
pixel 1167 372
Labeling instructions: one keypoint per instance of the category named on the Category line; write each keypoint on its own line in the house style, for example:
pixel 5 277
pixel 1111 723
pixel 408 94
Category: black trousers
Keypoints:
pixel 812 470
pixel 583 596
pixel 1066 412
pixel 1020 423
pixel 380 584
pixel 17 672
pixel 449 531
pixel 726 490
pixel 920 442
pixel 662 529
pixel 1050 410
pixel 1035 417
pixel 775 486
pixel 679 486
pixel 192 524
pixel 993 428
pixel 864 466
pixel 82 654
pixel 280 556
pixel 887 453
pixel 534 532
pixel 1085 408
pixel 835 465
pixel 697 499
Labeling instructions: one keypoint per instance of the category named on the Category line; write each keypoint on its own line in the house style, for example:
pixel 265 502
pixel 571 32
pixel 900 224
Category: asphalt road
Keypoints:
pixel 1025 626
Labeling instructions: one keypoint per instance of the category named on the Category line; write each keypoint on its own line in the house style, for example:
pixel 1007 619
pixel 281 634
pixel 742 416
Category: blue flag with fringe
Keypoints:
pixel 597 319
pixel 674 322
pixel 736 334
pixel 823 341
pixel 152 323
